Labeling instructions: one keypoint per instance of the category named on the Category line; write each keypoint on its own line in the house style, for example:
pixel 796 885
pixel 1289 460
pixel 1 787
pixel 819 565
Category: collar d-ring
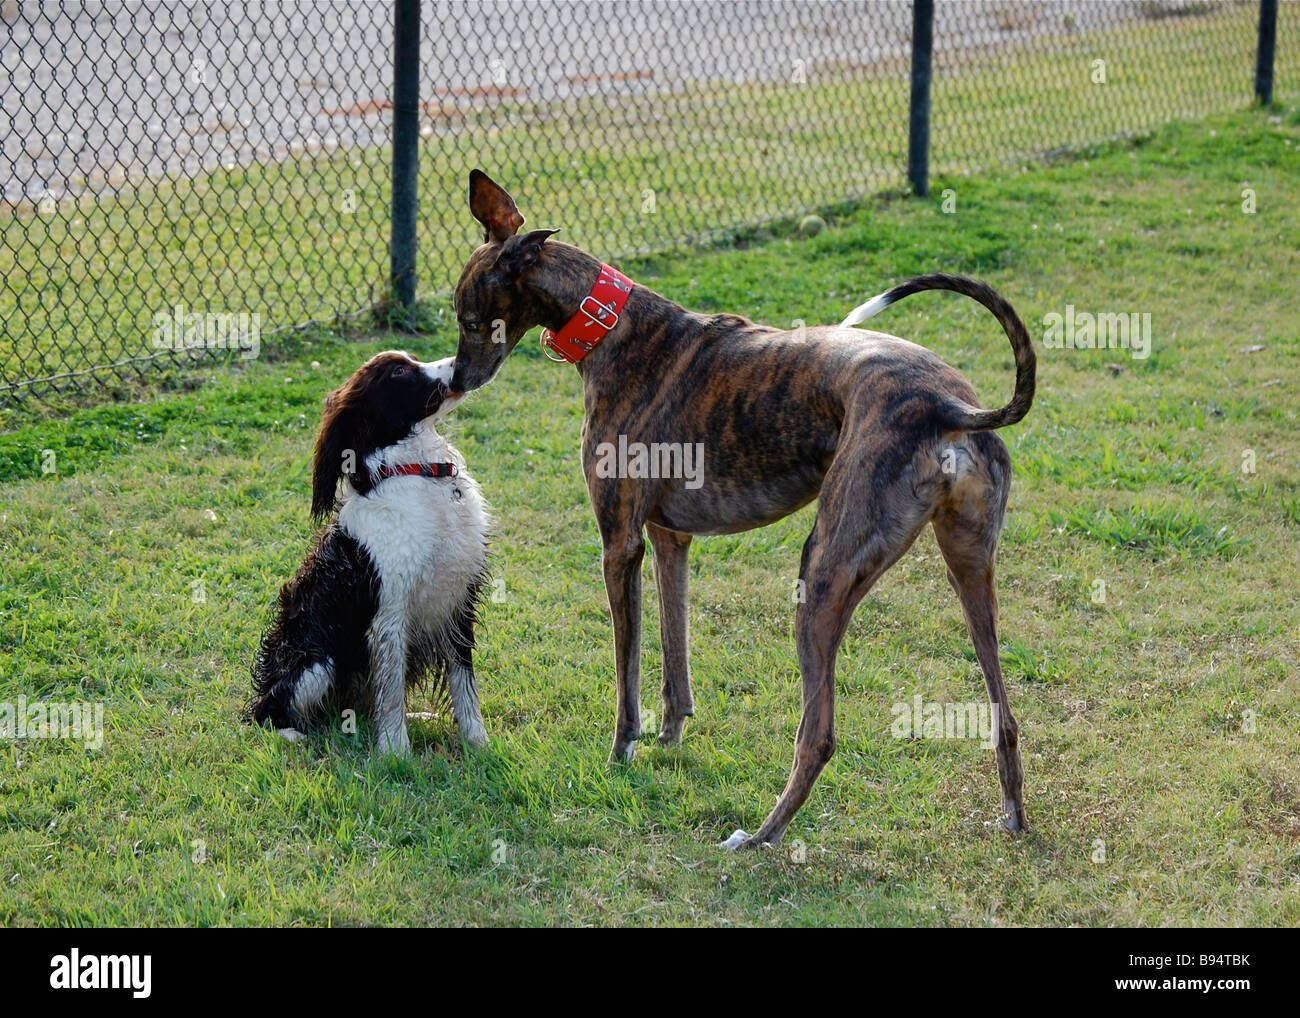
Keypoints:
pixel 547 336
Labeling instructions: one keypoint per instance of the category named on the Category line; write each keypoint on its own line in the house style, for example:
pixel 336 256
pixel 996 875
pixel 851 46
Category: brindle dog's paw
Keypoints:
pixel 1013 818
pixel 737 841
pixel 743 842
pixel 622 754
pixel 671 732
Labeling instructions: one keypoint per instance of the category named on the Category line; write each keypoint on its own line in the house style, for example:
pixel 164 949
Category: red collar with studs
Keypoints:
pixel 595 318
pixel 414 470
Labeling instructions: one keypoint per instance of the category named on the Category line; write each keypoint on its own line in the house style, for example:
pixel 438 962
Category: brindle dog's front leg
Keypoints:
pixel 624 550
pixel 670 550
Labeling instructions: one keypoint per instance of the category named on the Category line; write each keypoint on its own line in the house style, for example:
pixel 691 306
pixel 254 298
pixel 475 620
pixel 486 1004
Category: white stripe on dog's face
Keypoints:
pixel 440 371
pixel 437 371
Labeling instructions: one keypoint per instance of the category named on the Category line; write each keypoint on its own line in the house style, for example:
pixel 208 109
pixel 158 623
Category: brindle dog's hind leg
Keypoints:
pixel 671 576
pixel 967 526
pixel 859 533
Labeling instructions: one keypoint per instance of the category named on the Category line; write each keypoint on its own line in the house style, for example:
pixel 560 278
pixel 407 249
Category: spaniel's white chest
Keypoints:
pixel 427 538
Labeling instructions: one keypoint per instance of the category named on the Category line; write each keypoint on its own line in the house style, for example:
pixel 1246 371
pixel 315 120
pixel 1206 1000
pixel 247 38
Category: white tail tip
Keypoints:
pixel 862 312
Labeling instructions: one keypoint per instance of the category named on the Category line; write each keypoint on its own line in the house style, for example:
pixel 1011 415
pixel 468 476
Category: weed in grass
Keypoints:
pixel 1151 528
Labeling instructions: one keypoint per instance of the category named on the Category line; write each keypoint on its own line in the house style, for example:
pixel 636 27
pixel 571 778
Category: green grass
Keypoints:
pixel 306 238
pixel 1152 528
pixel 1159 719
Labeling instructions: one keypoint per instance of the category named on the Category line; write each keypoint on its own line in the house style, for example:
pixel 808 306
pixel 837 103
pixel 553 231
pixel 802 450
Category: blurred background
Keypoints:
pixel 237 158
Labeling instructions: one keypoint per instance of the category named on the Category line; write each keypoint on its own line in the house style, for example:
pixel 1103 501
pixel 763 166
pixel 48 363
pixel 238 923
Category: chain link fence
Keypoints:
pixel 183 181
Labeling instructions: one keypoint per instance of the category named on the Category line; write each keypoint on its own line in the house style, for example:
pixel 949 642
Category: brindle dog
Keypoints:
pixel 890 436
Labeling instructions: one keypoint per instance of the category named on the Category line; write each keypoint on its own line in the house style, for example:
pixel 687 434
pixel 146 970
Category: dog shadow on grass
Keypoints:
pixel 582 780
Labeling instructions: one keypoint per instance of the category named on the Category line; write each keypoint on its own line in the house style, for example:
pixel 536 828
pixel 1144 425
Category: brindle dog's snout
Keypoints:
pixel 473 371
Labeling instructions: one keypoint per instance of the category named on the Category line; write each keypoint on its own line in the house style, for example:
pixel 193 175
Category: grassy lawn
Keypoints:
pixel 1158 725
pixel 306 238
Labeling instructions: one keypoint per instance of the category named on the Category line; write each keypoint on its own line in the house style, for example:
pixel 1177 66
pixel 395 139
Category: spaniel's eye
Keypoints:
pixel 399 370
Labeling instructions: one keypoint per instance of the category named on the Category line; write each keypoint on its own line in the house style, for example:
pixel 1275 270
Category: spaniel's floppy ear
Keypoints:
pixel 493 207
pixel 332 446
pixel 519 253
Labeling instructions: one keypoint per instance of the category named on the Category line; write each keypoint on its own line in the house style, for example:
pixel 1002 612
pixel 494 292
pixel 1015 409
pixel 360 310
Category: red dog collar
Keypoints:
pixel 596 316
pixel 414 470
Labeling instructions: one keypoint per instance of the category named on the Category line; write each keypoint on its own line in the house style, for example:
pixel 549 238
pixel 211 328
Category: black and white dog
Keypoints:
pixel 390 592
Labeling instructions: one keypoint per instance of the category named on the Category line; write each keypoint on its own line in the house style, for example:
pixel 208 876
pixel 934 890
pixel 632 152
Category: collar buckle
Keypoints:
pixel 598 314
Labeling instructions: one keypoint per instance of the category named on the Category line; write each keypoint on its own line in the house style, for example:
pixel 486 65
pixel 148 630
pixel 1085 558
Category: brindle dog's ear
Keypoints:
pixel 493 207
pixel 519 253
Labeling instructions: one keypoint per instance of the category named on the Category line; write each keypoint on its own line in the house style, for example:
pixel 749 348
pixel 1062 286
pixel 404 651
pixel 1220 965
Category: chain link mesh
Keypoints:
pixel 180 181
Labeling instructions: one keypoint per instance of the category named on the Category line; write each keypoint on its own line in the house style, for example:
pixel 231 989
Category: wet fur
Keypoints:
pixel 388 596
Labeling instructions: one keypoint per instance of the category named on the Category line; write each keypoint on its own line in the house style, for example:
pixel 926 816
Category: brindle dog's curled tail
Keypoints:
pixel 961 415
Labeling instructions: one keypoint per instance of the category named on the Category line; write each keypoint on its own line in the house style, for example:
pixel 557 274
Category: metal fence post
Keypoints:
pixel 918 129
pixel 406 137
pixel 1264 55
